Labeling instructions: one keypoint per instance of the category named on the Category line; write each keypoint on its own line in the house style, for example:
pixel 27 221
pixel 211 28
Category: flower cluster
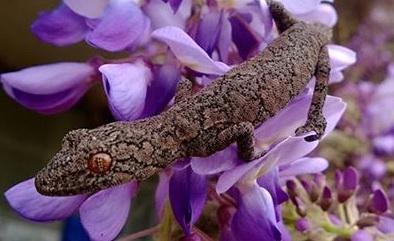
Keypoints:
pixel 166 41
pixel 319 211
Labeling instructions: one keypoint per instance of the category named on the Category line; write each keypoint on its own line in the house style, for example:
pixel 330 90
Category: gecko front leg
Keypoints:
pixel 283 19
pixel 184 89
pixel 315 120
pixel 243 134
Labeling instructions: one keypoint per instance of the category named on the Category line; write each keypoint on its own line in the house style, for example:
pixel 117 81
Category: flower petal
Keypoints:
pixel 243 36
pixel 361 235
pixel 300 7
pixel 218 162
pixel 304 166
pixel 60 27
pixel 50 88
pixel 87 8
pixel 161 90
pixel 125 86
pixel 288 150
pixel 104 213
pixel 324 13
pixel 27 202
pixel 123 25
pixel 208 31
pixel 48 79
pixel 386 224
pixel 294 115
pixel 255 210
pixel 340 57
pixel 162 191
pixel 161 14
pixel 188 52
pixel 187 192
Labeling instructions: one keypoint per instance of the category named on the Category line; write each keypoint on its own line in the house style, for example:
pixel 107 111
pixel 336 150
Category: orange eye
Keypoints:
pixel 99 162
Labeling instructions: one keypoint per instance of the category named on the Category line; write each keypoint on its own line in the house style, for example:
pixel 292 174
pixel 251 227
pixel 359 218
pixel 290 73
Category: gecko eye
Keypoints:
pixel 99 162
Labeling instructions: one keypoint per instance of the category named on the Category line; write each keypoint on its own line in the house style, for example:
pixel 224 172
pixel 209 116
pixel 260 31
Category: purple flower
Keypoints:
pixel 346 183
pixel 103 214
pixel 60 27
pixel 188 52
pixel 126 86
pixel 51 88
pixel 187 193
pixel 113 26
pixel 122 26
pixel 361 235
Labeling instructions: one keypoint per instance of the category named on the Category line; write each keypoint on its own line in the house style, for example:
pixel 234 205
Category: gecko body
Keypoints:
pixel 224 112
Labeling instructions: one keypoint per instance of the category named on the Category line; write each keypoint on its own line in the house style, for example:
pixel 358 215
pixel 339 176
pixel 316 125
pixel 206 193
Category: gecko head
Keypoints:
pixel 88 161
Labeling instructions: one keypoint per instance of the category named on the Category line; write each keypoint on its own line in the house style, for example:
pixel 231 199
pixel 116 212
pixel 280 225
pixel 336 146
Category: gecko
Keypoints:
pixel 199 124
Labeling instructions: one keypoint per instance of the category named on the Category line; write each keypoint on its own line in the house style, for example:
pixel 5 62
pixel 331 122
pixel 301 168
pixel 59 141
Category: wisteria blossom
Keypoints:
pixel 165 42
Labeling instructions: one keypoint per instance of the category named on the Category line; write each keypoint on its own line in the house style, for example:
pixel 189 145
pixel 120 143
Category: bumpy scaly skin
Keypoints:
pixel 224 112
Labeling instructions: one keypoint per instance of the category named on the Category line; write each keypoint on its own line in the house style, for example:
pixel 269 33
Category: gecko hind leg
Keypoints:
pixel 315 120
pixel 243 134
pixel 283 19
pixel 184 89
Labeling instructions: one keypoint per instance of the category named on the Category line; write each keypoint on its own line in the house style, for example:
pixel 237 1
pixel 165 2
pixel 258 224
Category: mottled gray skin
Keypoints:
pixel 224 112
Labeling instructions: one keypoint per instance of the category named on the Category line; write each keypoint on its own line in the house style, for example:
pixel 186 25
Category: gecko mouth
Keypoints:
pixel 50 185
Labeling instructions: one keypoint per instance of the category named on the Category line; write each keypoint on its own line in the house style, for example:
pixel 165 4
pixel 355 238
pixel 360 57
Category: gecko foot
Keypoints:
pixel 318 125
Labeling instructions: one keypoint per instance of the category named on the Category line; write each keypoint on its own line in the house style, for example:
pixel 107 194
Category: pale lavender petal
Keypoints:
pixel 162 191
pixel 50 88
pixel 270 181
pixel 290 149
pixel 340 57
pixel 162 15
pixel 225 40
pixel 231 177
pixel 294 115
pixel 361 235
pixel 174 4
pixel 161 90
pixel 126 86
pixel 304 166
pixel 187 193
pixel 208 31
pixel 255 210
pixel 60 27
pixel 87 8
pixel 181 164
pixel 301 6
pixel 218 162
pixel 27 202
pixel 267 18
pixel 286 236
pixel 123 26
pixel 188 52
pixel 386 224
pixel 50 78
pixel 383 145
pixel 324 13
pixel 104 213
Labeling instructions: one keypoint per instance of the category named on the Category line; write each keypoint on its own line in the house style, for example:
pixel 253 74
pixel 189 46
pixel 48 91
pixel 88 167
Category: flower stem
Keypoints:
pixel 140 234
